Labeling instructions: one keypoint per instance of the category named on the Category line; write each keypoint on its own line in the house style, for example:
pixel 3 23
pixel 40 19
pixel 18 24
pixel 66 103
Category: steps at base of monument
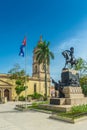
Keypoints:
pixel 74 96
pixel 62 108
pixel 76 101
pixel 68 101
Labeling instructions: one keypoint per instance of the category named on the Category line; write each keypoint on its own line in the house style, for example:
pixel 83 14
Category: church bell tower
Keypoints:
pixel 38 69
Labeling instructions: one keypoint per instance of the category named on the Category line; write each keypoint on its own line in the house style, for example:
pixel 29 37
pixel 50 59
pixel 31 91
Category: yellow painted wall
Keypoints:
pixel 40 86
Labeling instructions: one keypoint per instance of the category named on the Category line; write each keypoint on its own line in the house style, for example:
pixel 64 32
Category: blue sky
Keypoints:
pixel 62 22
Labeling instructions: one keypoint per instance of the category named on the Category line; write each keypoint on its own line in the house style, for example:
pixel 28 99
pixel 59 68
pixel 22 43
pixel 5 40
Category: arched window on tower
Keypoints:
pixel 35 69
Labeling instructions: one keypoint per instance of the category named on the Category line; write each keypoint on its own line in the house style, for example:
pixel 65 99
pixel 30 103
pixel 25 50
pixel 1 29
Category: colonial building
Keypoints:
pixel 35 83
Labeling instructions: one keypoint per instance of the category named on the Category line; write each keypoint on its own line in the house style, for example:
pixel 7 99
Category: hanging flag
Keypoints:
pixel 24 41
pixel 21 53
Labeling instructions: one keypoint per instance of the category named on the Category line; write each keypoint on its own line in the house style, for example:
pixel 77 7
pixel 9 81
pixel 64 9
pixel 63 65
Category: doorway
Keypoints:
pixel 6 94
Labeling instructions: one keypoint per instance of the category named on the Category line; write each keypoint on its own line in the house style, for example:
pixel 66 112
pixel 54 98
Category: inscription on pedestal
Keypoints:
pixel 57 101
pixel 54 101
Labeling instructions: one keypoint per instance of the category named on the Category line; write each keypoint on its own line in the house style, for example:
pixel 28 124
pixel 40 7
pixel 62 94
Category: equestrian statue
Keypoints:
pixel 69 57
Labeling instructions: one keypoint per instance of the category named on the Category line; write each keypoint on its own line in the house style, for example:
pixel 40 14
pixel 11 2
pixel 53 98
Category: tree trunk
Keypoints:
pixel 45 82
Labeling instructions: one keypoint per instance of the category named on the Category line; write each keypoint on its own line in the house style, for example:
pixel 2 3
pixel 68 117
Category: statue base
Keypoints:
pixel 70 77
pixel 72 91
pixel 73 96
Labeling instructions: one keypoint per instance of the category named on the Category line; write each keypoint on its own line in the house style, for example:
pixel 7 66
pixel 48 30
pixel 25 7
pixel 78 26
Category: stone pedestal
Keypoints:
pixel 73 92
pixel 76 101
pixel 73 96
pixel 69 77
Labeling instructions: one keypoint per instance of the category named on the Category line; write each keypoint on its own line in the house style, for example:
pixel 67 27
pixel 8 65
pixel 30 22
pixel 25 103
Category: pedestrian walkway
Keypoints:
pixel 32 120
pixel 5 125
pixel 9 106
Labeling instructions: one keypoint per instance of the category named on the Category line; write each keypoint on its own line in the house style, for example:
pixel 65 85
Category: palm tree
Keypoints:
pixel 43 56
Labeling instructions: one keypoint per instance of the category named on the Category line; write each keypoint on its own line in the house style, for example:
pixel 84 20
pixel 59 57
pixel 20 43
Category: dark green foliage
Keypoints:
pixel 19 89
pixel 20 77
pixel 17 73
pixel 43 53
pixel 81 66
pixel 79 109
pixel 19 86
pixel 84 89
pixel 75 112
pixel 83 83
pixel 21 98
pixel 35 96
pixel 18 82
pixel 82 108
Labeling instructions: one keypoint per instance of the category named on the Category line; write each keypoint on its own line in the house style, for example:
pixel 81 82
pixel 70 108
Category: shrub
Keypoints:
pixel 84 89
pixel 31 95
pixel 35 96
pixel 29 98
pixel 21 98
pixel 79 109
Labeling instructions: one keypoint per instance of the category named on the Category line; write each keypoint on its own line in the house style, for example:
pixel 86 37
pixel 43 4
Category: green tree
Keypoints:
pixel 19 87
pixel 43 56
pixel 20 78
pixel 16 72
pixel 81 66
pixel 83 83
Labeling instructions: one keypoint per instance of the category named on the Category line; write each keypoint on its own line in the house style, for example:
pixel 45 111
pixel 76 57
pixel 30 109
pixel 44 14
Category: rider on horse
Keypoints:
pixel 68 55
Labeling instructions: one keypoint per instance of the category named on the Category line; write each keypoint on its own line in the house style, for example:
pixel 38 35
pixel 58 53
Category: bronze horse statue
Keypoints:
pixel 68 55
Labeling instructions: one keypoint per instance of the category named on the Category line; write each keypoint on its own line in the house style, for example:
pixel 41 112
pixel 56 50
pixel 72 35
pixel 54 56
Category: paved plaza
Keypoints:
pixel 11 119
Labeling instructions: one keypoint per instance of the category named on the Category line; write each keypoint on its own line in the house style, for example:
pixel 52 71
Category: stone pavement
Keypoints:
pixel 9 106
pixel 11 119
pixel 5 125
